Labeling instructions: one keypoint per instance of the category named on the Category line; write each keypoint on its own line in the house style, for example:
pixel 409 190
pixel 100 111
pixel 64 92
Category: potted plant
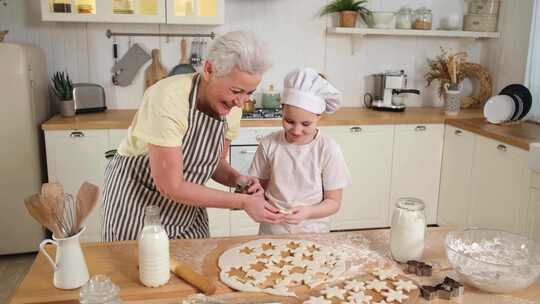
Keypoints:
pixel 348 11
pixel 62 87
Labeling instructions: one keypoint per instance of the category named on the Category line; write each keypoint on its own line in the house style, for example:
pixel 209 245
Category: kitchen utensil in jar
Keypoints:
pixel 87 198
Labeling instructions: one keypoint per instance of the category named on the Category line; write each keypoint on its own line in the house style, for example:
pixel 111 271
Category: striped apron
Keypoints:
pixel 129 187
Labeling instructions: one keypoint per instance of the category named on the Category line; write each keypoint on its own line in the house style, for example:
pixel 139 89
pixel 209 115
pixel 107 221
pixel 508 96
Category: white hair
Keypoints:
pixel 239 50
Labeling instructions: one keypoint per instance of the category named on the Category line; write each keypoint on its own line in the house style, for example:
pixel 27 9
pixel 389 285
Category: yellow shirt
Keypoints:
pixel 162 119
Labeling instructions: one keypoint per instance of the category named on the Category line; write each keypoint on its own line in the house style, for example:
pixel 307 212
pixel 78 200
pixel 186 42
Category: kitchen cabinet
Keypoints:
pixel 115 138
pixel 456 177
pixel 416 165
pixel 218 218
pixel 533 215
pixel 500 186
pixel 83 150
pixel 368 153
pixel 242 224
pixel 135 11
pixel 196 12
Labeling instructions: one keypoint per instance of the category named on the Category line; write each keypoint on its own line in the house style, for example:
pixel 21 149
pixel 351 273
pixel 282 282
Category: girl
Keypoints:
pixel 302 171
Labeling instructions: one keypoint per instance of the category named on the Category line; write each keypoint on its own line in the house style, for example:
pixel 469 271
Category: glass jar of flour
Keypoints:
pixel 408 230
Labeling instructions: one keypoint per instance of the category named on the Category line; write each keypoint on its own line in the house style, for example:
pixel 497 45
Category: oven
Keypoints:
pixel 244 147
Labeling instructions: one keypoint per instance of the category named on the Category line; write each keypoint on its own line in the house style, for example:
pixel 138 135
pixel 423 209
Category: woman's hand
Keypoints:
pixel 261 211
pixel 298 215
pixel 253 186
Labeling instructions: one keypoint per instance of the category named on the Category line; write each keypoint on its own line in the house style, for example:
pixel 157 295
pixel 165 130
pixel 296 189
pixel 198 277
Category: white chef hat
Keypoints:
pixel 306 89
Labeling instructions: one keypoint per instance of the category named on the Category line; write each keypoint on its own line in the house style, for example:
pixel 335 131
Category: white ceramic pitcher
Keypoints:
pixel 70 269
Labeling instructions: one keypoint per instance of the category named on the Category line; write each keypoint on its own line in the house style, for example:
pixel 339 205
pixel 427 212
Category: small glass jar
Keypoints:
pixel 404 18
pixel 408 230
pixel 100 290
pixel 423 18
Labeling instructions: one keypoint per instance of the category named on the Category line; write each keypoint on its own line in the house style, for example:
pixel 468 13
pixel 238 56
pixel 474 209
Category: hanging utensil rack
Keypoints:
pixel 110 34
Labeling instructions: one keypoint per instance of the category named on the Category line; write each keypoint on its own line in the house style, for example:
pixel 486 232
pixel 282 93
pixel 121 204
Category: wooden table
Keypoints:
pixel 119 261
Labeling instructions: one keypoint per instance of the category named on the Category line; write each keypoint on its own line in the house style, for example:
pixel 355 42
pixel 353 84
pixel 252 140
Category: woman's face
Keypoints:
pixel 232 90
pixel 300 125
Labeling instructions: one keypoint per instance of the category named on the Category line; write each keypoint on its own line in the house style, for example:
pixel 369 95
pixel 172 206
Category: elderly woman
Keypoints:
pixel 179 139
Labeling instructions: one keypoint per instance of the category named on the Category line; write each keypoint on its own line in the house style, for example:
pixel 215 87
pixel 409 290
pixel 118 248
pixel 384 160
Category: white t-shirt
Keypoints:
pixel 298 175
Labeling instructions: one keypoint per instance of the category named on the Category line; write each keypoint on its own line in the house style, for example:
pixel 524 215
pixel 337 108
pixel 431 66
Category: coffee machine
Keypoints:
pixel 387 88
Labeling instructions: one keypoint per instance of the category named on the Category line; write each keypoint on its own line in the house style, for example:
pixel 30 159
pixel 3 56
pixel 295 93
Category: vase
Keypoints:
pixel 348 18
pixel 67 108
pixel 452 102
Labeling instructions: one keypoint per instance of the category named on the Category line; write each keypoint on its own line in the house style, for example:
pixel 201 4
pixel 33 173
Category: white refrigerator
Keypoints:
pixel 24 101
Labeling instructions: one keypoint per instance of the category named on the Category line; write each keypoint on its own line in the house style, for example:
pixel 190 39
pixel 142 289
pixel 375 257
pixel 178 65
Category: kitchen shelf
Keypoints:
pixel 417 33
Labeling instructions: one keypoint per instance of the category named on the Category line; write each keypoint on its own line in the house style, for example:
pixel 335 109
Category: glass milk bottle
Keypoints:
pixel 153 250
pixel 408 231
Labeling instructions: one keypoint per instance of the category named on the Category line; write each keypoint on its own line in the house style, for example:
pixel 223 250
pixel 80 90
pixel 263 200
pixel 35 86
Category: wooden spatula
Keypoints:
pixel 41 213
pixel 52 197
pixel 86 201
pixel 155 71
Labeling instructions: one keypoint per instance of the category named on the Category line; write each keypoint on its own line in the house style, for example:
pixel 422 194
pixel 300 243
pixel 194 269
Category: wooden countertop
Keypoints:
pixel 121 119
pixel 119 262
pixel 519 135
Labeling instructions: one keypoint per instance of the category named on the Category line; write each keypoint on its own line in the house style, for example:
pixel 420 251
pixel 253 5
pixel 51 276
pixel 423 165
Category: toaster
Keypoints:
pixel 88 97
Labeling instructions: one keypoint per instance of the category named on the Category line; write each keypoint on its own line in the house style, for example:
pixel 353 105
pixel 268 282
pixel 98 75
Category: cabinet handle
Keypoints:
pixel 110 154
pixel 76 134
pixel 244 151
pixel 420 128
pixel 458 132
pixel 502 148
pixel 356 129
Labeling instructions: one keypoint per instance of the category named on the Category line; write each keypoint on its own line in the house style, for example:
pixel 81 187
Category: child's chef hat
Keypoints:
pixel 306 89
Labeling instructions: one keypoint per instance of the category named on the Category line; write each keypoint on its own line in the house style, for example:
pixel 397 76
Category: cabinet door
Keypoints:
pixel 533 215
pixel 116 136
pixel 368 152
pixel 74 10
pixel 416 166
pixel 218 218
pixel 135 11
pixel 242 224
pixel 457 164
pixel 195 11
pixel 74 157
pixel 500 186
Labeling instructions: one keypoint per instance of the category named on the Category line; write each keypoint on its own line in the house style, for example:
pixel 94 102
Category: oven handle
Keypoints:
pixel 245 151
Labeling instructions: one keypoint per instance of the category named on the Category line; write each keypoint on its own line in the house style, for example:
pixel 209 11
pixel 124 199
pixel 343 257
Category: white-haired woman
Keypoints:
pixel 179 139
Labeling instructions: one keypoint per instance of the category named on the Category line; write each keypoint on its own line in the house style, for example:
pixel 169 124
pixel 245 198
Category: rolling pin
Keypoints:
pixel 197 280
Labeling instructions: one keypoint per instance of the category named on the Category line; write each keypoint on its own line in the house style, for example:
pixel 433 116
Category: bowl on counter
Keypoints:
pixel 493 260
pixel 383 20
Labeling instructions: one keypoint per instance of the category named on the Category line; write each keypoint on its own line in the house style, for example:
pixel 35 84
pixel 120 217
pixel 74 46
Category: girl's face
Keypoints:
pixel 300 125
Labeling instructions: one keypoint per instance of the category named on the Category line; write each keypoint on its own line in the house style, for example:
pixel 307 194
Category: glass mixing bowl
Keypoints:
pixel 493 260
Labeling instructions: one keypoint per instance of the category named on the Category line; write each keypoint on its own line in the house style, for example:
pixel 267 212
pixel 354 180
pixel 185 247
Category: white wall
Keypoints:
pixel 292 29
pixel 506 58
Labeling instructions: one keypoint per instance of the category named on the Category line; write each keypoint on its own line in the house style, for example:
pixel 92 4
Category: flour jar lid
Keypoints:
pixel 410 204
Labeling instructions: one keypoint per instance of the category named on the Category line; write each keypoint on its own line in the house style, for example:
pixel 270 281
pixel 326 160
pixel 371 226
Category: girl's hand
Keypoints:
pixel 298 215
pixel 250 184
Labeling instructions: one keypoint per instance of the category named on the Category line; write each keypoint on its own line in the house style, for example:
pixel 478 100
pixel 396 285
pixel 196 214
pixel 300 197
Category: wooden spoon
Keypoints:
pixel 86 201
